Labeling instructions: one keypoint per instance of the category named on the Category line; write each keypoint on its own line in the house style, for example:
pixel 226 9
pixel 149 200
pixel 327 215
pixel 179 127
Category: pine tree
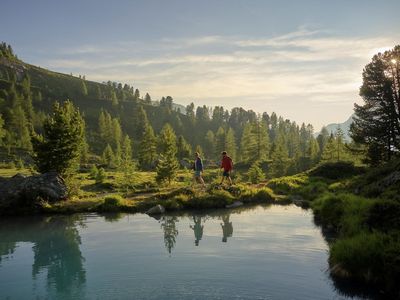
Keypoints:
pixel 84 90
pixel 377 122
pixel 147 99
pixel 255 173
pixel 220 140
pixel 108 157
pixel 329 153
pixel 20 128
pixel 168 164
pixel 184 149
pixel 280 157
pixel 340 146
pixel 230 143
pixel 60 146
pixel 126 155
pixel 210 144
pixel 147 151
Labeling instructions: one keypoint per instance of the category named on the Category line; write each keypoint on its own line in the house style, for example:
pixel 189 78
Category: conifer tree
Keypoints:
pixel 255 173
pixel 230 143
pixel 280 157
pixel 147 151
pixel 220 140
pixel 210 144
pixel 59 148
pixel 168 164
pixel 108 157
pixel 329 153
pixel 184 149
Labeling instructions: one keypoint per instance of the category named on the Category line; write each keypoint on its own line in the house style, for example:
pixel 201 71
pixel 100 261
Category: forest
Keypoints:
pixel 120 124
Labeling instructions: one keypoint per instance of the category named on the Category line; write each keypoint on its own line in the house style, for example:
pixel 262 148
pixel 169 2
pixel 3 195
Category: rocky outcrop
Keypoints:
pixel 20 192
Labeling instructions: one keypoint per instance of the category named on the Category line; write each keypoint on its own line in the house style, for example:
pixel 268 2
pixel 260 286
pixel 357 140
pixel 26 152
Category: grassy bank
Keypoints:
pixel 361 208
pixel 137 192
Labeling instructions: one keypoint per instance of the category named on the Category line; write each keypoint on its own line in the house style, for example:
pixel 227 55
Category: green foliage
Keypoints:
pixel 368 257
pixel 168 164
pixel 100 176
pixel 59 147
pixel 336 170
pixel 384 215
pixel 288 184
pixel 255 173
pixel 147 148
pixel 376 123
pixel 112 203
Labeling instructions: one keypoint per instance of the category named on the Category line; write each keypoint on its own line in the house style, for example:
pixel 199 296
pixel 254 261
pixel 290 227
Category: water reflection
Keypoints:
pixel 170 231
pixel 56 243
pixel 197 229
pixel 227 228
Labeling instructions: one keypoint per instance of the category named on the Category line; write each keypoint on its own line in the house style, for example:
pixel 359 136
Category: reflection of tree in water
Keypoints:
pixel 227 228
pixel 170 231
pixel 197 229
pixel 56 249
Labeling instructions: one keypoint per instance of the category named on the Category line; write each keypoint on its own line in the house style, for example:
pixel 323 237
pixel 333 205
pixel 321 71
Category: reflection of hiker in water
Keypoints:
pixel 227 228
pixel 198 229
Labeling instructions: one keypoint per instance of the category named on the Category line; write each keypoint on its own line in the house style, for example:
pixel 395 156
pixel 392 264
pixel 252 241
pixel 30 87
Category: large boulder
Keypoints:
pixel 19 191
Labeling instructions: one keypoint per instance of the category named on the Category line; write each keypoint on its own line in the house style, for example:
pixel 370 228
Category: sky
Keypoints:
pixel 302 59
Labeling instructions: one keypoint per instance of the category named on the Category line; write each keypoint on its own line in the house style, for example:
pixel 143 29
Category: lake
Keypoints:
pixel 263 252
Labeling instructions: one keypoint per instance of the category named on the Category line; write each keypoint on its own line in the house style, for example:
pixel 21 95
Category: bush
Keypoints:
pixel 313 190
pixel 369 258
pixel 343 212
pixel 255 173
pixel 100 176
pixel 336 170
pixel 112 203
pixel 93 172
pixel 287 184
pixel 384 215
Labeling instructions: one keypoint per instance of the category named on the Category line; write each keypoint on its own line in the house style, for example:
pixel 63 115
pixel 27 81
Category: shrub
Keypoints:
pixel 287 184
pixel 369 257
pixel 112 203
pixel 384 215
pixel 336 170
pixel 255 173
pixel 93 172
pixel 100 176
pixel 313 190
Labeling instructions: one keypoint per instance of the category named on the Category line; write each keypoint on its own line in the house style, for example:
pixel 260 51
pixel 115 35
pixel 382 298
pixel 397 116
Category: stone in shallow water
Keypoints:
pixel 156 210
pixel 235 204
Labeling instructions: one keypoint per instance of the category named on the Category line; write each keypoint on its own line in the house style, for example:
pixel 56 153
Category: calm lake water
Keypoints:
pixel 266 252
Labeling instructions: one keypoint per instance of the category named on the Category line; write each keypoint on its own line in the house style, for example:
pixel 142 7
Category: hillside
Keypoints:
pixel 112 110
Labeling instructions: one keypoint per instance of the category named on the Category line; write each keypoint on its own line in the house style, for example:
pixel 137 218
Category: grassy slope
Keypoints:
pixel 362 209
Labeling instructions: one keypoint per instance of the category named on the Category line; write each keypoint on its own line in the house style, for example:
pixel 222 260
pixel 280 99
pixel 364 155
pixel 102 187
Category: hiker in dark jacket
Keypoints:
pixel 198 169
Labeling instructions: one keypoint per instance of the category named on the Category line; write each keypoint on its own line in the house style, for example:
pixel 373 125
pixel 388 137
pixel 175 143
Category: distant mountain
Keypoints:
pixel 345 126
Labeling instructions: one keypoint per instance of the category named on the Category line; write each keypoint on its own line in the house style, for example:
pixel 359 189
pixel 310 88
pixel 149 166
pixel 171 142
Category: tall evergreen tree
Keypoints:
pixel 377 122
pixel 168 164
pixel 59 148
pixel 147 151
pixel 210 145
pixel 184 149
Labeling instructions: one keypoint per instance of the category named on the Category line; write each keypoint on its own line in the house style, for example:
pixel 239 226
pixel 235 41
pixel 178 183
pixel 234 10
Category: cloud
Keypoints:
pixel 317 67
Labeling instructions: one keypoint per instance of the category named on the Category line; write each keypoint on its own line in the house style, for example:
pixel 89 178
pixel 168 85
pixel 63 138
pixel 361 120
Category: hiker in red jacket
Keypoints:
pixel 227 165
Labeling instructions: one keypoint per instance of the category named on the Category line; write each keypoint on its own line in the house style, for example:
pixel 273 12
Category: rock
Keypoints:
pixel 22 191
pixel 156 210
pixel 235 204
